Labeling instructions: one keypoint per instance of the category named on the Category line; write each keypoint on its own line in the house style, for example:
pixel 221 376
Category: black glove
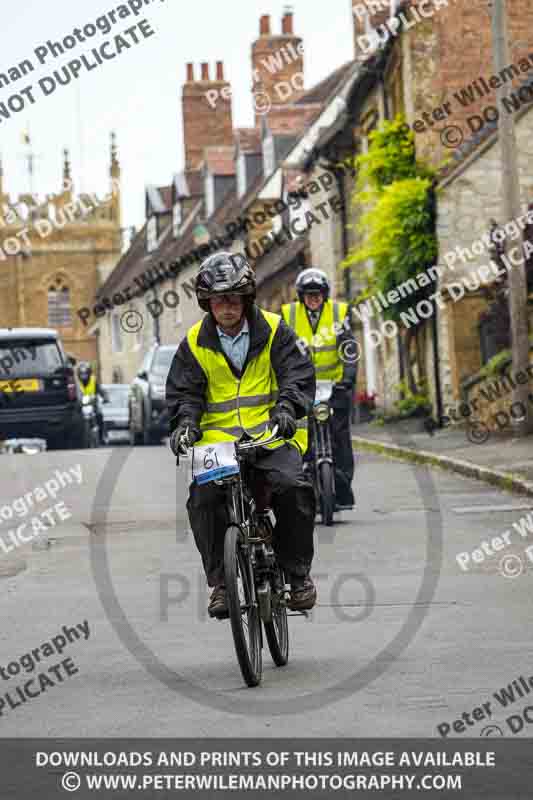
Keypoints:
pixel 185 435
pixel 285 421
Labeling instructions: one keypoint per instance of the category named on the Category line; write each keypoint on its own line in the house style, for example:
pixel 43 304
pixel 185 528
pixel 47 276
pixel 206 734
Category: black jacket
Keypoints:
pixel 295 374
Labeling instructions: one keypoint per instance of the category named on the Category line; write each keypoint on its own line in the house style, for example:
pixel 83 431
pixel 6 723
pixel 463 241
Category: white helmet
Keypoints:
pixel 312 281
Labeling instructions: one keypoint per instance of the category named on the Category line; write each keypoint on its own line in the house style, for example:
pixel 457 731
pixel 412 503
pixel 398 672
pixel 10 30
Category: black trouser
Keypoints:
pixel 341 402
pixel 293 503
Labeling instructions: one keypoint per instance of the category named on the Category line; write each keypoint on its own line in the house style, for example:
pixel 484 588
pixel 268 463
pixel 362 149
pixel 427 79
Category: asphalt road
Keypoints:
pixel 402 639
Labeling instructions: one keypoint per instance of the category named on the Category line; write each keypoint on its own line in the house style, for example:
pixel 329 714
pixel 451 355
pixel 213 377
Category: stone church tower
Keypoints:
pixel 55 253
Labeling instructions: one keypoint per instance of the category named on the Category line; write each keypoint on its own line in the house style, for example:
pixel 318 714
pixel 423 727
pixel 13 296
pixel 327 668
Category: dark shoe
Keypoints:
pixel 218 604
pixel 303 594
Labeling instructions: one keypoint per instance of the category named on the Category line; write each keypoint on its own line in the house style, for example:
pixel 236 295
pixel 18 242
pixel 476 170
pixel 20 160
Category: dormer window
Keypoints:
pixel 177 219
pixel 151 235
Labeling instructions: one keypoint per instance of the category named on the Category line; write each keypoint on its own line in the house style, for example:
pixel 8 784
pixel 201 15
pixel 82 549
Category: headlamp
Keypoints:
pixel 321 412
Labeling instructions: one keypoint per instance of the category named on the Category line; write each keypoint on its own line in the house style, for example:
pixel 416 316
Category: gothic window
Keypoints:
pixel 59 311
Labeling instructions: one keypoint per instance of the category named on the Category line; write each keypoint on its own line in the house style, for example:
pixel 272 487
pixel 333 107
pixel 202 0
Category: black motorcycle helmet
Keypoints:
pixel 312 281
pixel 84 372
pixel 225 273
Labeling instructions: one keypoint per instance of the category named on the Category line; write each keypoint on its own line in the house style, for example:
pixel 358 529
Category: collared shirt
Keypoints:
pixel 314 317
pixel 236 348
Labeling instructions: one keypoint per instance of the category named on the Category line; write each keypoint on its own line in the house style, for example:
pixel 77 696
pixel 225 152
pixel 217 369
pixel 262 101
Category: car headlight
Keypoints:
pixel 321 412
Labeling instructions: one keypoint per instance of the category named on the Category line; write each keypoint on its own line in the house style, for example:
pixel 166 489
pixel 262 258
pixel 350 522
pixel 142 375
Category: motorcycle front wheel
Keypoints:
pixel 243 610
pixel 326 486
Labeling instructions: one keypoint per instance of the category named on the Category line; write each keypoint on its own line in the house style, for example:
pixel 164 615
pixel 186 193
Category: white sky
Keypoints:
pixel 138 94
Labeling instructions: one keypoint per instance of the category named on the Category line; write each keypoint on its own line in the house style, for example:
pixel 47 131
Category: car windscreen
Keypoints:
pixel 116 397
pixel 25 358
pixel 162 362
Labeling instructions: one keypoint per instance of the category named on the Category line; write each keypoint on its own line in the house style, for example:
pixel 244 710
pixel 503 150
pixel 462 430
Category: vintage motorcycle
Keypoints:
pixel 321 466
pixel 90 407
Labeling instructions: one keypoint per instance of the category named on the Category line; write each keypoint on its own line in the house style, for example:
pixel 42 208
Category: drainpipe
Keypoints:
pixel 435 325
pixel 436 364
pixel 386 112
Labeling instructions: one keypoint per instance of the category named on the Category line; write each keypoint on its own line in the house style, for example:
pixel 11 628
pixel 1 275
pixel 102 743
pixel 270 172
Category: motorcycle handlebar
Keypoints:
pixel 261 442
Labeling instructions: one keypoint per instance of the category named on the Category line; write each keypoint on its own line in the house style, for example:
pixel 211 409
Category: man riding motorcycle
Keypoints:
pixel 92 389
pixel 239 371
pixel 324 327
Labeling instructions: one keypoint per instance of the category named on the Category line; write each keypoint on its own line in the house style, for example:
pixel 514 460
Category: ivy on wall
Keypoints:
pixel 397 226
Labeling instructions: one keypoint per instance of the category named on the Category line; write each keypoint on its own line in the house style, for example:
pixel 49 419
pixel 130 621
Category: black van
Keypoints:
pixel 39 394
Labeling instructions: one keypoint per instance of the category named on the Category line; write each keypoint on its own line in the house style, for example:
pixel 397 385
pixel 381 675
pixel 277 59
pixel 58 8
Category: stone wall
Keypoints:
pixel 468 199
pixel 490 399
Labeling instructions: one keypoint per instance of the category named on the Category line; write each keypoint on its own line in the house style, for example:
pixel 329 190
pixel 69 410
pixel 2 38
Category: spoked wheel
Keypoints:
pixel 277 629
pixel 327 492
pixel 244 615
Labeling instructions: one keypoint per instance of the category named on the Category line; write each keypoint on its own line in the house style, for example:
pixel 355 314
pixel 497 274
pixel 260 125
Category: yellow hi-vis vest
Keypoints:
pixel 236 406
pixel 323 346
pixel 90 389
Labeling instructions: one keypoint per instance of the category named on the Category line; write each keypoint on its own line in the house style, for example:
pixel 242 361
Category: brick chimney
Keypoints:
pixel 287 24
pixel 360 11
pixel 277 64
pixel 207 114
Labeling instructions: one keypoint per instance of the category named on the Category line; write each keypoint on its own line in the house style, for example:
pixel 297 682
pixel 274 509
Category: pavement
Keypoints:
pixel 402 639
pixel 501 459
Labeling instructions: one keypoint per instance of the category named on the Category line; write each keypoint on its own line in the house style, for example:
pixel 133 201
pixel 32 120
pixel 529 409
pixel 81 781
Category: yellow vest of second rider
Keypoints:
pixel 322 344
pixel 236 406
pixel 90 389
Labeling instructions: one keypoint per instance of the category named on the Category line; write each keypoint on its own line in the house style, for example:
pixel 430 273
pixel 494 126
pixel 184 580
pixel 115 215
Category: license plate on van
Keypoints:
pixel 21 385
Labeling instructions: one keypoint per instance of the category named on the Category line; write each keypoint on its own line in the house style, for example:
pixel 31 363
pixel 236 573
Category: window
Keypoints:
pixel 298 218
pixel 178 316
pixel 269 155
pixel 26 358
pixel 176 219
pixel 241 175
pixel 209 194
pixel 151 234
pixel 116 333
pixel 117 395
pixel 59 314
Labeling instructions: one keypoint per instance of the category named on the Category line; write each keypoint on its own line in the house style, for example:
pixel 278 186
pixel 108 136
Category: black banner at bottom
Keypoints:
pixel 319 768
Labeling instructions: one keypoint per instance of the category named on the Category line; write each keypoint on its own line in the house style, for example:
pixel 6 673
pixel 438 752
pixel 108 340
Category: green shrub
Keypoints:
pixel 412 402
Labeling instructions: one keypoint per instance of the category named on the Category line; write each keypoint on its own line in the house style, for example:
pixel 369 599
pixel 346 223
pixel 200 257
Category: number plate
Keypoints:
pixel 20 385
pixel 324 390
pixel 214 461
